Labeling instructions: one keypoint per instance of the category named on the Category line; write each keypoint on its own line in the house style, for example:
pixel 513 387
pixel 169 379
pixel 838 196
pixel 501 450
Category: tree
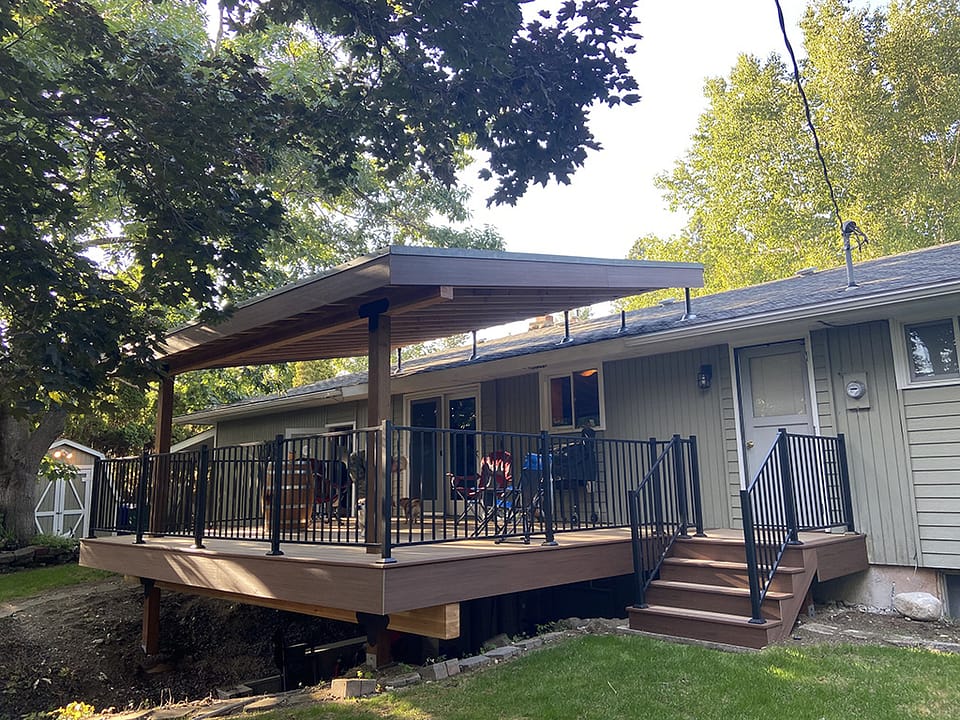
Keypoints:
pixel 884 88
pixel 158 144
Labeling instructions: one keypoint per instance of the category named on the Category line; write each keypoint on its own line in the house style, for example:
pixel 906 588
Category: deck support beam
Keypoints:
pixel 150 636
pixel 161 469
pixel 379 640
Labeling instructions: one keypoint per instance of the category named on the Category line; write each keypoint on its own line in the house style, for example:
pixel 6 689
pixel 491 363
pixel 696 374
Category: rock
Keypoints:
pixel 263 704
pixel 918 606
pixel 530 643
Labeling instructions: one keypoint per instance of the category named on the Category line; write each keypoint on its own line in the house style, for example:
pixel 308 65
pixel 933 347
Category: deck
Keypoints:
pixel 420 592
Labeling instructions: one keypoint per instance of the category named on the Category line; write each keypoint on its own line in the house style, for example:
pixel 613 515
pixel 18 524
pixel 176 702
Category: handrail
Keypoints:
pixel 659 508
pixel 802 484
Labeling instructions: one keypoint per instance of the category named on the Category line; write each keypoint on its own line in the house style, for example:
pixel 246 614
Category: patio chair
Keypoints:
pixel 495 492
pixel 332 486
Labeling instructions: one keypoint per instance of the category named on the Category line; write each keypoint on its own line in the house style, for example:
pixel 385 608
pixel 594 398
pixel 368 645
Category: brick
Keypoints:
pixel 453 667
pixel 404 680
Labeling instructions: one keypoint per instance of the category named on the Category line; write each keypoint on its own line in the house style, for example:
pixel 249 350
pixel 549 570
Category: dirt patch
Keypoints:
pixel 84 644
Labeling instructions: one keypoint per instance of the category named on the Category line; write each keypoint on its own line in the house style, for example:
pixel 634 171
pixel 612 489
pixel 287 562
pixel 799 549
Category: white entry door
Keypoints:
pixel 774 393
pixel 61 504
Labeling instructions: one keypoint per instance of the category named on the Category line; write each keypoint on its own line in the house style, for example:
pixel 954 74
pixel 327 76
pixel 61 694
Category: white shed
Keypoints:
pixel 62 504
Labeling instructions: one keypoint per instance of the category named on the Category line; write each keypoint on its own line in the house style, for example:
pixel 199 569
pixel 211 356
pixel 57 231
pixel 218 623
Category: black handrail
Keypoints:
pixel 659 508
pixel 802 484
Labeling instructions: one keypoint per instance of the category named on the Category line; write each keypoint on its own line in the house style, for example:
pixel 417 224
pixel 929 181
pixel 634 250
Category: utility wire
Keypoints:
pixel 806 108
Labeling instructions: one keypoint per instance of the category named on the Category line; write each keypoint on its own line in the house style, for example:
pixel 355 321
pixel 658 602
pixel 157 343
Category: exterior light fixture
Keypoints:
pixel 704 377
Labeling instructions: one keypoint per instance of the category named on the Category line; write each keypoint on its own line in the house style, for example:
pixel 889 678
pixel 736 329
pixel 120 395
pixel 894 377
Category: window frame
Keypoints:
pixel 901 353
pixel 546 411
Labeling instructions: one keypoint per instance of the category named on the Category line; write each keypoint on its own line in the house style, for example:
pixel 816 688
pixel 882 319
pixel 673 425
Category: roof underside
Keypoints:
pixel 429 293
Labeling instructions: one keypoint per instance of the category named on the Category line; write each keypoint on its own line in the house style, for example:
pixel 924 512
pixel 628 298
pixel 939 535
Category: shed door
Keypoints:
pixel 61 504
pixel 774 393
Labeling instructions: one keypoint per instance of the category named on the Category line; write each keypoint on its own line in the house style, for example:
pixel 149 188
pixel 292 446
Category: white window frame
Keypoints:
pixel 901 358
pixel 546 416
pixel 445 395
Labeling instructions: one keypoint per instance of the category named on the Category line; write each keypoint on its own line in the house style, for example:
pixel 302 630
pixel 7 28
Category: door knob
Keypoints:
pixel 749 444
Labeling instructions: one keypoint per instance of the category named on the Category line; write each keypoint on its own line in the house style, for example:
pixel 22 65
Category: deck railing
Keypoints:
pixel 802 484
pixel 377 487
pixel 663 506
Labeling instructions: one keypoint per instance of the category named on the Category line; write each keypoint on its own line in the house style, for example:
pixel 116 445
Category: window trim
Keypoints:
pixel 546 416
pixel 901 358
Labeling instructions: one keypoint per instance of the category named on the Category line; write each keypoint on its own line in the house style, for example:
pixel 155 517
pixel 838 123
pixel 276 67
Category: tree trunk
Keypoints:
pixel 23 442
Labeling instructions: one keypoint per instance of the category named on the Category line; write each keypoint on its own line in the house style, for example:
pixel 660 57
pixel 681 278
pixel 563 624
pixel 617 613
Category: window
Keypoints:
pixel 931 350
pixel 574 399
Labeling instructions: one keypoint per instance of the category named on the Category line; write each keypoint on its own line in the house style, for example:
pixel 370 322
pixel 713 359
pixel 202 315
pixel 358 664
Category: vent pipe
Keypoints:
pixel 399 359
pixel 850 228
pixel 623 322
pixel 688 313
pixel 566 327
pixel 473 355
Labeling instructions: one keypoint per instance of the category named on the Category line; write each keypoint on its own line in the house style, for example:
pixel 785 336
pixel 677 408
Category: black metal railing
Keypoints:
pixel 803 484
pixel 385 487
pixel 663 506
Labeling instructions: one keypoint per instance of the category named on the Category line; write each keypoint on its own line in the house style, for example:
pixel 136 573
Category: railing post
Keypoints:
pixel 750 548
pixel 845 481
pixel 275 499
pixel 656 485
pixel 546 487
pixel 680 478
pixel 695 488
pixel 94 508
pixel 142 494
pixel 387 513
pixel 633 507
pixel 200 498
pixel 786 479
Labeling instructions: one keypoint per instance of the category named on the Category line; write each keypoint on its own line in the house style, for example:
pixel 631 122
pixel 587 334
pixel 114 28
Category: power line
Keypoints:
pixel 806 108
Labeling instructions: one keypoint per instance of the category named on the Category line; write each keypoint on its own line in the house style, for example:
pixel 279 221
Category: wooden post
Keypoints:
pixel 378 410
pixel 150 636
pixel 161 469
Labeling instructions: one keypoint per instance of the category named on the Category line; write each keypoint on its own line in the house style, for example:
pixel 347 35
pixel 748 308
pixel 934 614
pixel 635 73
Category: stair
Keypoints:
pixel 702 593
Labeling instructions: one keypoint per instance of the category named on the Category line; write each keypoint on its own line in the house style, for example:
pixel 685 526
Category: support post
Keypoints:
pixel 150 636
pixel 378 410
pixel 275 497
pixel 93 513
pixel 844 481
pixel 378 639
pixel 546 488
pixel 789 496
pixel 161 447
pixel 145 472
pixel 680 478
pixel 200 498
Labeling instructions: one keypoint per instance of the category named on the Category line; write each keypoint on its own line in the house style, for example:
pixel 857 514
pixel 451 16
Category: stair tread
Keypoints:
pixel 718 589
pixel 705 615
pixel 724 564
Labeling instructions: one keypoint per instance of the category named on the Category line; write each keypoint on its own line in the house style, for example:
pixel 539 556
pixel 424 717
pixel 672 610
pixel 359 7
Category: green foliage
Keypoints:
pixel 57 542
pixel 884 87
pixel 34 581
pixel 51 469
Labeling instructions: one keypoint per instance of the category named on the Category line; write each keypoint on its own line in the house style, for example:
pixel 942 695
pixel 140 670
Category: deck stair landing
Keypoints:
pixel 702 591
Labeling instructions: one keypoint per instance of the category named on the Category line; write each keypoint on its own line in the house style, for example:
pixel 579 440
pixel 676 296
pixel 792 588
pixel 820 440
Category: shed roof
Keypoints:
pixel 927 273
pixel 429 293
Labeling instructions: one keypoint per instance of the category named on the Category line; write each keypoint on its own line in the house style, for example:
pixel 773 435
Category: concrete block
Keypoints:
pixel 474 663
pixel 503 653
pixel 453 667
pixel 220 710
pixel 352 687
pixel 553 636
pixel 403 680
pixel 437 671
pixel 264 704
pixel 530 643
pixel 234 692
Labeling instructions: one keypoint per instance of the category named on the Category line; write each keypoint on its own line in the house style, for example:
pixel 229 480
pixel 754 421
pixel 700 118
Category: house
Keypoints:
pixel 815 355
pixel 62 502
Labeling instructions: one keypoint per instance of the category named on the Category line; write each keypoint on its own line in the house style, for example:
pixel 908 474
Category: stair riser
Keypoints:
pixel 727 552
pixel 721 576
pixel 698 600
pixel 746 635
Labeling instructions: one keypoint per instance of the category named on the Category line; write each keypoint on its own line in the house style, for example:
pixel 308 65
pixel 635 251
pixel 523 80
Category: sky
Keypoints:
pixel 612 200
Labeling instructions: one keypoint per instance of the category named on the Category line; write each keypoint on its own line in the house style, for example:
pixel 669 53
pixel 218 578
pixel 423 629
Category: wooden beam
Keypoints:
pixel 439 621
pixel 150 634
pixel 161 466
pixel 164 430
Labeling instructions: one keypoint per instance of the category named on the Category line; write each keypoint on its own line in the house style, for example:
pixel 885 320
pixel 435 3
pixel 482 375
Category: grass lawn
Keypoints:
pixel 27 583
pixel 607 677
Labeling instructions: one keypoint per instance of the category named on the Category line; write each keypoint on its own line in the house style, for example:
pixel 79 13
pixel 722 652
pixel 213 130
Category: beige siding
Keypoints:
pixel 265 427
pixel 731 450
pixel 658 396
pixel 876 443
pixel 933 434
pixel 822 386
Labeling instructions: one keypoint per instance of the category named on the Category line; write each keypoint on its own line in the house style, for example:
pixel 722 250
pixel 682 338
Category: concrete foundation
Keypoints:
pixel 876 586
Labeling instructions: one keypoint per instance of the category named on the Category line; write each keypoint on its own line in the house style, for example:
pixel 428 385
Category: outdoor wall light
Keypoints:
pixel 704 377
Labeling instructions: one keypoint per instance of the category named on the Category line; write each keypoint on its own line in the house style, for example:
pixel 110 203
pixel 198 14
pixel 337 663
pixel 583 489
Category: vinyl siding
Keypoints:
pixel 883 503
pixel 512 404
pixel 658 396
pixel 261 428
pixel 933 436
